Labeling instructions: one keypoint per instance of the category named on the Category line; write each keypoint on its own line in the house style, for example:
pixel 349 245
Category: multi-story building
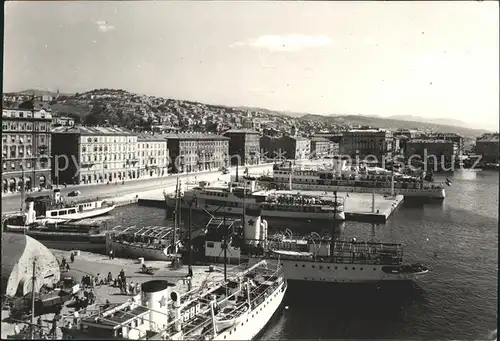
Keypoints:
pixel 244 146
pixel 94 155
pixel 454 137
pixel 295 147
pixel 65 121
pixel 251 123
pixel 488 147
pixel 197 152
pixel 26 149
pixel 152 155
pixel 437 153
pixel 335 137
pixel 269 148
pixel 320 146
pixel 375 143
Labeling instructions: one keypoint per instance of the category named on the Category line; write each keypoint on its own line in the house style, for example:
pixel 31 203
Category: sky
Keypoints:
pixel 428 59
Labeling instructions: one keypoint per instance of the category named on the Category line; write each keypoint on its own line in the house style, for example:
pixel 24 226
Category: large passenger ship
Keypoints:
pixel 311 258
pixel 274 205
pixel 343 178
pixel 236 308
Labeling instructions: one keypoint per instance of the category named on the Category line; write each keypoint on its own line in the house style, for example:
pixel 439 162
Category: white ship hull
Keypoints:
pixel 257 319
pixel 137 251
pixel 267 214
pixel 295 270
pixel 437 193
pixel 84 214
pixel 64 218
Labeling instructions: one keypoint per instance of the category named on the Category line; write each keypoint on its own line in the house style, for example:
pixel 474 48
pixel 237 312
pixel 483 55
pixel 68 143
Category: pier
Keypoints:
pixel 362 207
pixel 91 264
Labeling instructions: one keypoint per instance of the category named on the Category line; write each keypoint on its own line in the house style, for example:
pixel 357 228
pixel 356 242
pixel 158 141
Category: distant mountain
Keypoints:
pixel 443 121
pixel 38 92
pixel 392 123
pixel 275 112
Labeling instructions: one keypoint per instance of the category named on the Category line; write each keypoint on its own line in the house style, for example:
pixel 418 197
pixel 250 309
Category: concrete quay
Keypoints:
pixel 357 206
pixel 124 193
pixel 91 264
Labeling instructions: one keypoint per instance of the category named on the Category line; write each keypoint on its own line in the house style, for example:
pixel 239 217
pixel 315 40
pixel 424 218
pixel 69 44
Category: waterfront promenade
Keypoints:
pixel 12 202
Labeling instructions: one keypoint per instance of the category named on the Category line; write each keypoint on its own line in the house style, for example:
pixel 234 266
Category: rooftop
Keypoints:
pixel 26 113
pixel 429 141
pixel 366 131
pixel 319 139
pixel 194 136
pixel 84 130
pixel 242 131
pixel 149 137
pixel 488 138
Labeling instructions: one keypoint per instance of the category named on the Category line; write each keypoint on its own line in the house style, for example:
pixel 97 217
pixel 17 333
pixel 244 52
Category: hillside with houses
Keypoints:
pixel 143 112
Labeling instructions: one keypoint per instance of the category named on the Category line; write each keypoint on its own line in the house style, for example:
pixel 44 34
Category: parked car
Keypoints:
pixel 74 193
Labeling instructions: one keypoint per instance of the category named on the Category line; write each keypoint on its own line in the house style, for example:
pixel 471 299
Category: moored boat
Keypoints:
pixel 235 308
pixel 150 242
pixel 343 178
pixel 313 258
pixel 52 210
pixel 274 205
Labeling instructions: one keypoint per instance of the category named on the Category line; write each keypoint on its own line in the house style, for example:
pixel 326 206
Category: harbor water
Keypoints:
pixel 456 238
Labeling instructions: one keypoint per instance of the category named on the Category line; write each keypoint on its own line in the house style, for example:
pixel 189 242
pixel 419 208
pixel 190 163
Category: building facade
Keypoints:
pixel 488 147
pixel 269 148
pixel 454 137
pixel 295 147
pixel 363 143
pixel 94 155
pixel 26 149
pixel 244 146
pixel 197 152
pixel 321 147
pixel 58 121
pixel 153 157
pixel 439 154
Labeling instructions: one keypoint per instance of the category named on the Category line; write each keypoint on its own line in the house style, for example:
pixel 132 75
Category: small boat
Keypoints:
pixel 150 242
pixel 55 210
pixel 230 316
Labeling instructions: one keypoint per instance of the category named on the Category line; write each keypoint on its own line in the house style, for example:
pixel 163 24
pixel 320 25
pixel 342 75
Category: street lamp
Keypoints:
pixel 22 186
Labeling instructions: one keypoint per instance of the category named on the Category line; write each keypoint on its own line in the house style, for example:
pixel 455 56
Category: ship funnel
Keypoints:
pixel 176 299
pixel 155 296
pixel 251 185
pixel 252 226
pixel 57 195
pixel 30 211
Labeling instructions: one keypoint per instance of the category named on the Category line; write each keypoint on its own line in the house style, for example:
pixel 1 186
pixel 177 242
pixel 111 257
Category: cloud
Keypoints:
pixel 292 42
pixel 104 26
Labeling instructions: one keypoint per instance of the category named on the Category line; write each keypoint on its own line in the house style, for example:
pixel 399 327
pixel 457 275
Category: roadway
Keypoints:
pixel 12 202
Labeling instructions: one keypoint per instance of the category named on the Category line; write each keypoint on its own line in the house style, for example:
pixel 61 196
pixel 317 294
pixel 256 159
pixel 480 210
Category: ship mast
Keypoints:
pixel 225 247
pixel 176 216
pixel 190 270
pixel 334 225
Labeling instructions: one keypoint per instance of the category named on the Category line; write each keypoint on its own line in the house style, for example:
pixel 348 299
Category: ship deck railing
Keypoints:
pixel 376 260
